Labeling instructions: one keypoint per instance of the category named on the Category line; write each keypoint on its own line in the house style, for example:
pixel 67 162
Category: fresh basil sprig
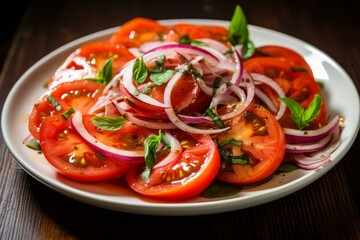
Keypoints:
pixel 239 33
pixel 151 144
pixel 105 74
pixel 108 123
pixel 302 117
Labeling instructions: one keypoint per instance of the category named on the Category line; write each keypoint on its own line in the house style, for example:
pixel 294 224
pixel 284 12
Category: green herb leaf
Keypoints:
pixel 34 144
pixel 68 113
pixel 108 123
pixel 140 71
pixel 54 102
pixel 161 77
pixel 218 189
pixel 230 141
pixel 151 143
pixel 105 74
pixel 302 117
pixel 215 118
pixel 287 167
pixel 239 33
pixel 298 69
pixel 187 40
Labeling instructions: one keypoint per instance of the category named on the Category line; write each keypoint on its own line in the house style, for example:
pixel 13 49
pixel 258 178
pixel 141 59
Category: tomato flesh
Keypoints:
pixel 184 178
pixel 72 157
pixel 263 143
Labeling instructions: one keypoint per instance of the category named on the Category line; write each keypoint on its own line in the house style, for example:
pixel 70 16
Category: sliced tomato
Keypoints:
pixel 196 31
pixel 297 84
pixel 184 178
pixel 128 137
pixel 283 53
pixel 79 95
pixel 262 147
pixel 138 31
pixel 89 59
pixel 184 94
pixel 73 158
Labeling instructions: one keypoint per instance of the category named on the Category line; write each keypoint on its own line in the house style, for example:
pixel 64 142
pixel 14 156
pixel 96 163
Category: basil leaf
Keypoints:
pixel 230 141
pixel 105 74
pixel 215 118
pixel 239 33
pixel 301 116
pixel 139 71
pixel 218 189
pixel 54 102
pixel 108 123
pixel 187 40
pixel 287 167
pixel 34 144
pixel 151 143
pixel 314 109
pixel 68 113
pixel 161 77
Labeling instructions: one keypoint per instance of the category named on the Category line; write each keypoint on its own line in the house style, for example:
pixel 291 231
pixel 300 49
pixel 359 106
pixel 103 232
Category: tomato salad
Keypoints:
pixel 173 109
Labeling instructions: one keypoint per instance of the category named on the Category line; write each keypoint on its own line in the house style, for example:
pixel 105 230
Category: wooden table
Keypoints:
pixel 326 209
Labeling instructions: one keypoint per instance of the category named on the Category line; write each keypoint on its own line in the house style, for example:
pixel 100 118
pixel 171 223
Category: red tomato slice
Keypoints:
pixel 263 142
pixel 79 94
pixel 186 177
pixel 138 31
pixel 298 85
pixel 89 59
pixel 71 157
pixel 184 94
pixel 196 32
pixel 284 53
pixel 128 137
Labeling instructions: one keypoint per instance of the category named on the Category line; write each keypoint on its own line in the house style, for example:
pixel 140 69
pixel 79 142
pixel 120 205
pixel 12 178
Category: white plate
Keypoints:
pixel 339 91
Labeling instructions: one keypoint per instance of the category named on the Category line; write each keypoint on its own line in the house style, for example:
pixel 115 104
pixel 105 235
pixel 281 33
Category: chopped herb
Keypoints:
pixel 302 117
pixel 54 102
pixel 108 123
pixel 105 74
pixel 216 84
pixel 34 144
pixel 100 156
pixel 68 113
pixel 187 40
pixel 230 141
pixel 321 84
pixel 228 157
pixel 298 69
pixel 215 118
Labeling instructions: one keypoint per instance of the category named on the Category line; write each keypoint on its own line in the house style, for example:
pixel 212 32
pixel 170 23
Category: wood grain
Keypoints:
pixel 326 209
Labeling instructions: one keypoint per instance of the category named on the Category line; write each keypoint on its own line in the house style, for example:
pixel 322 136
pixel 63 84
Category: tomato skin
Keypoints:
pixel 192 184
pixel 298 85
pixel 88 60
pixel 266 150
pixel 196 32
pixel 184 94
pixel 78 94
pixel 138 31
pixel 61 145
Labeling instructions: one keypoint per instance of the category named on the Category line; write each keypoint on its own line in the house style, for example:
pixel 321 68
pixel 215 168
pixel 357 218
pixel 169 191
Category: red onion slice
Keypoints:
pixel 276 87
pixel 294 135
pixel 308 147
pixel 174 118
pixel 78 125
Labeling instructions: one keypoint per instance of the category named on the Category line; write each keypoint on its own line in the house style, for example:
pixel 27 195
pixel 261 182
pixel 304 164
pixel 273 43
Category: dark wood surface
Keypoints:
pixel 326 209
